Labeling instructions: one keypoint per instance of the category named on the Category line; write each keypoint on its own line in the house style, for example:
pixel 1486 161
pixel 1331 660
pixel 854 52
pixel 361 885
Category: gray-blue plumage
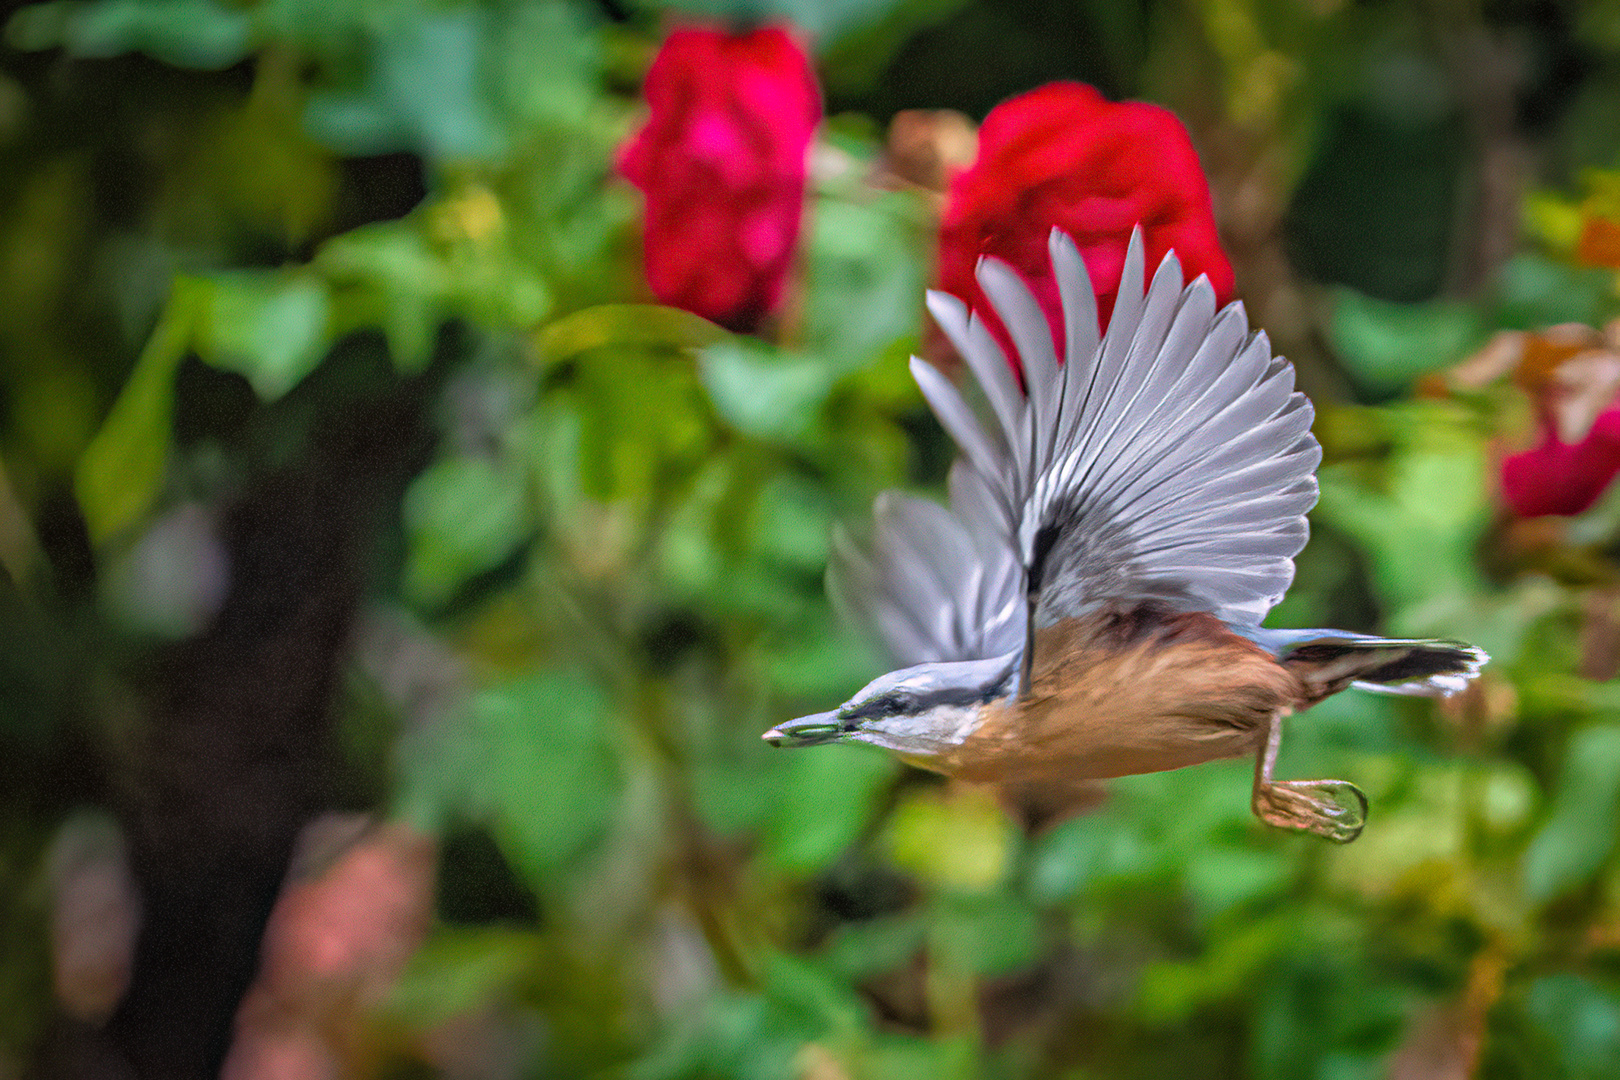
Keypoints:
pixel 1117 529
pixel 1174 464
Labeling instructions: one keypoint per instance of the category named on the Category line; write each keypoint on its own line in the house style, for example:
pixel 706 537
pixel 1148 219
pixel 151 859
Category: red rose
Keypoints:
pixel 1061 155
pixel 1564 478
pixel 1571 375
pixel 722 163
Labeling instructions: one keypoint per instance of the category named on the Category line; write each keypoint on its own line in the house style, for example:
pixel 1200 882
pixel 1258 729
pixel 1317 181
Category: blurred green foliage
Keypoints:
pixel 227 225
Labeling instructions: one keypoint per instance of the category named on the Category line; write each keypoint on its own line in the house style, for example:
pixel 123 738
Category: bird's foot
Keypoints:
pixel 1335 809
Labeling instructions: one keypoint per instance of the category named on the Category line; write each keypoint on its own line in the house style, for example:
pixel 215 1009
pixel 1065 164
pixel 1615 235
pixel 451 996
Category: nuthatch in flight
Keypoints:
pixel 1089 606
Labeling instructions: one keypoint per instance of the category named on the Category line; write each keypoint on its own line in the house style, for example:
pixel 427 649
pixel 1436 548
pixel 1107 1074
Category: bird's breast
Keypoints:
pixel 1126 692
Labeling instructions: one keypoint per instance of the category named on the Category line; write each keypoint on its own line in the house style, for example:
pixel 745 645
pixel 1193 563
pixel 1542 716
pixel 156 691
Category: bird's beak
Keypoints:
pixel 806 730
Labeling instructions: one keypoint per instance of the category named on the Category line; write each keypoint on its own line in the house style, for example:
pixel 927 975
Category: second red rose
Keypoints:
pixel 1062 155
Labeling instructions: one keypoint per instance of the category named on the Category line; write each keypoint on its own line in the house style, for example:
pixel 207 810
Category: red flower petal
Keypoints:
pixel 721 162
pixel 1564 478
pixel 1061 155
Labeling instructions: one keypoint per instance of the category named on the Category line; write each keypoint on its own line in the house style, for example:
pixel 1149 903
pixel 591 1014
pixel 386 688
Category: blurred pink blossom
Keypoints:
pixel 356 904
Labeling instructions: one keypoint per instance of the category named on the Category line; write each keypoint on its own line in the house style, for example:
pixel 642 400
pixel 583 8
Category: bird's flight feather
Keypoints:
pixel 1169 460
pixel 929 586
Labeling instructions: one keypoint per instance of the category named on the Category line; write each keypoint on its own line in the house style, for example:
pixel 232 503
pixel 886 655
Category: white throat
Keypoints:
pixel 924 734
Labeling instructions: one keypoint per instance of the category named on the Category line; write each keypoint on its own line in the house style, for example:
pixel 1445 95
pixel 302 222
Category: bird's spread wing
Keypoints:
pixel 929 586
pixel 1169 460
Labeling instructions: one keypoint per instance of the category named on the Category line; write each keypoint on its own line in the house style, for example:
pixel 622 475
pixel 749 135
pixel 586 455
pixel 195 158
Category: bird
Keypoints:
pixel 1089 603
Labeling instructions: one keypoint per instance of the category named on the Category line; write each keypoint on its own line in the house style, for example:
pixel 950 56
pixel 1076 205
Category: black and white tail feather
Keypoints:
pixel 1169 461
pixel 1330 660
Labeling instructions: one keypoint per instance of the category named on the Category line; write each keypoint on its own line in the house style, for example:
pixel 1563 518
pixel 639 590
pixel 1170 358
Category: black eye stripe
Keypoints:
pixel 914 701
pixel 879 707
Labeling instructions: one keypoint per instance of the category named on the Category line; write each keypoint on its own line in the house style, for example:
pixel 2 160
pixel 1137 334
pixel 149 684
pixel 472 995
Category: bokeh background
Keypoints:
pixel 395 593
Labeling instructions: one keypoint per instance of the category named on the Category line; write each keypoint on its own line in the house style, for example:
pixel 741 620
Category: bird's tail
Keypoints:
pixel 1327 661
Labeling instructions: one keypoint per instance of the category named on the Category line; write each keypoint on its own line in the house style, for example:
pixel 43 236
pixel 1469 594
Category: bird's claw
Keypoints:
pixel 1335 809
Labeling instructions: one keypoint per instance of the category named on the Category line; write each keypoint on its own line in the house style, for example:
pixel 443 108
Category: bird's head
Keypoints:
pixel 917 711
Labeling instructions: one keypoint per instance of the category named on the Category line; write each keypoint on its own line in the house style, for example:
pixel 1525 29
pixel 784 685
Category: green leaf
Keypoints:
pixel 269 327
pixel 1420 529
pixel 725 1040
pixel 121 471
pixel 464 515
pixel 818 20
pixel 860 950
pixel 1222 878
pixel 385 275
pixel 1092 849
pixel 431 71
pixel 939 1057
pixel 793 522
pixel 825 664
pixel 863 277
pixel 1386 345
pixel 533 757
pixel 963 841
pixel 761 1035
pixel 186 33
pixel 987 935
pixel 861 284
pixel 809 998
pixel 424 93
pixel 545 62
pixel 1581 1021
pixel 460 969
pixel 355 123
pixel 1533 291
pixel 826 798
pixel 1322 1014
pixel 643 418
pixel 643 325
pixel 1171 991
pixel 764 392
pixel 451 258
pixel 1580 835
pixel 1554 219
